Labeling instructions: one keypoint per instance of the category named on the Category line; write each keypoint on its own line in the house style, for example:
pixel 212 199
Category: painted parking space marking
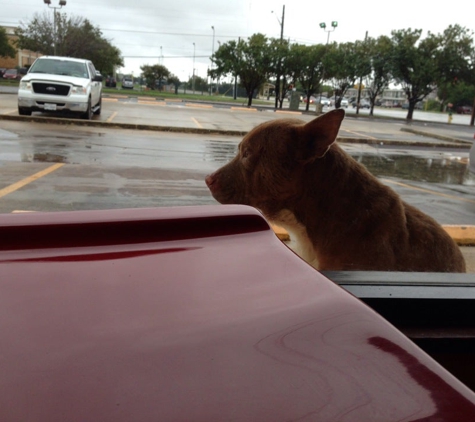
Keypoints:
pixel 112 116
pixel 432 192
pixel 359 134
pixel 288 112
pixel 197 123
pixel 18 185
pixel 151 102
pixel 242 109
pixel 199 105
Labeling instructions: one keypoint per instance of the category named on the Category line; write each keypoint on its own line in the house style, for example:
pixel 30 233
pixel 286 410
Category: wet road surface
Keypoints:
pixel 115 168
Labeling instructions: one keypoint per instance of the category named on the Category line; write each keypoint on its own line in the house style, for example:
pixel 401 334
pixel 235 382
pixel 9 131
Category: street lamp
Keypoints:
pixel 334 24
pixel 61 4
pixel 193 82
pixel 323 25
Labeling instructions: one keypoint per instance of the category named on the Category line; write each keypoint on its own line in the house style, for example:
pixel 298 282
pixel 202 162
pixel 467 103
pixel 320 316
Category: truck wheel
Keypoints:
pixel 24 111
pixel 98 109
pixel 88 114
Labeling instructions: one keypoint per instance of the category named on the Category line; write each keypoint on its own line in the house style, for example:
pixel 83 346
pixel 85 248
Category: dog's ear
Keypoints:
pixel 320 133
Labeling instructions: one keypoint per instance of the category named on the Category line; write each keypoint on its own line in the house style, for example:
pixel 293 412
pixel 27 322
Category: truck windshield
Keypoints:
pixel 60 67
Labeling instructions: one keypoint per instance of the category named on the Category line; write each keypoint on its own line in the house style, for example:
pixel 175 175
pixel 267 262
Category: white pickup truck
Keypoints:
pixel 61 84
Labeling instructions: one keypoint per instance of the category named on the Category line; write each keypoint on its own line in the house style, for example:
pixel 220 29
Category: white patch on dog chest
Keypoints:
pixel 299 241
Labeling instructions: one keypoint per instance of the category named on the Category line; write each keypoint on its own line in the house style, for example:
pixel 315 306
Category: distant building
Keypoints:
pixel 23 58
pixel 391 97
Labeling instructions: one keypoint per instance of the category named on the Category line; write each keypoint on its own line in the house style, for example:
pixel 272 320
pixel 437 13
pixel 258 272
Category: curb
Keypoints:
pixel 462 235
pixel 435 136
pixel 133 126
pixel 227 132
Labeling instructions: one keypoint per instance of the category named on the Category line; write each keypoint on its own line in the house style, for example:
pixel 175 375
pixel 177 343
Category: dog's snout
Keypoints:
pixel 210 180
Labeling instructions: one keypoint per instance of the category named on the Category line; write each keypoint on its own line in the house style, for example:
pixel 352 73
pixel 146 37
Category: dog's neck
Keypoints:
pixel 339 199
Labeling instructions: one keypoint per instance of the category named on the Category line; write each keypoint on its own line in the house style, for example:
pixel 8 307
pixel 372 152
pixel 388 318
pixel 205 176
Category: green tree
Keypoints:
pixel 249 60
pixel 38 34
pixel 415 64
pixel 308 63
pixel 175 80
pixel 342 67
pixel 75 37
pixel 458 93
pixel 455 61
pixel 6 49
pixel 153 74
pixel 201 84
pixel 380 51
pixel 287 62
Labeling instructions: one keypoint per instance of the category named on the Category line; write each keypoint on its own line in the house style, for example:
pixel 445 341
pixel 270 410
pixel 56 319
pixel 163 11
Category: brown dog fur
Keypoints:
pixel 341 216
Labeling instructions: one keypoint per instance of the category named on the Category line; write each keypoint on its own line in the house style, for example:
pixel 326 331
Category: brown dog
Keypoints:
pixel 340 215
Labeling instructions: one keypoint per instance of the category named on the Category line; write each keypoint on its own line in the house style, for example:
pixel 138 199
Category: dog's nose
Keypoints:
pixel 210 180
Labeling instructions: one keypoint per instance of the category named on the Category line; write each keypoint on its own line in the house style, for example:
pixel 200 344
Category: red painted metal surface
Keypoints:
pixel 194 314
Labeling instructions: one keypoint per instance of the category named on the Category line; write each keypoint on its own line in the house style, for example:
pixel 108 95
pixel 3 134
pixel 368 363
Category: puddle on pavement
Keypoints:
pixel 444 170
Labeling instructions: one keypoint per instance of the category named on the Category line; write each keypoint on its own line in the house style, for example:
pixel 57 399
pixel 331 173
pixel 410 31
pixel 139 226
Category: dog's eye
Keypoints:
pixel 245 153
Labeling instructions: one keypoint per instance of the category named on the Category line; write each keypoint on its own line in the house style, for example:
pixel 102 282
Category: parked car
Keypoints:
pixel 61 84
pixel 312 99
pixel 2 71
pixel 11 74
pixel 344 103
pixel 464 109
pixel 198 314
pixel 363 104
pixel 111 82
pixel 127 82
pixel 419 106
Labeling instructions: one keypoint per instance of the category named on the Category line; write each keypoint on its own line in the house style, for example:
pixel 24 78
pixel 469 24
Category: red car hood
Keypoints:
pixel 194 314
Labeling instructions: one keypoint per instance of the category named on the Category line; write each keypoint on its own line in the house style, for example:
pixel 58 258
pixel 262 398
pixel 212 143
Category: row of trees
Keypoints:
pixel 73 37
pixel 443 62
pixel 419 65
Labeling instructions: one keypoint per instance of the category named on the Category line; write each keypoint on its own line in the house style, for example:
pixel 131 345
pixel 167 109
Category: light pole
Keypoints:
pixel 161 56
pixel 211 65
pixel 193 81
pixel 323 25
pixel 61 4
pixel 217 77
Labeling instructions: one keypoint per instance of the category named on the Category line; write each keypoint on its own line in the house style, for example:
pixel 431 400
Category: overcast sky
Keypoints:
pixel 154 31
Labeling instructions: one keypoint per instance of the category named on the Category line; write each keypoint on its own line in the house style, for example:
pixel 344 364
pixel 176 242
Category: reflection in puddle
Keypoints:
pixel 452 171
pixel 43 158
pixel 444 169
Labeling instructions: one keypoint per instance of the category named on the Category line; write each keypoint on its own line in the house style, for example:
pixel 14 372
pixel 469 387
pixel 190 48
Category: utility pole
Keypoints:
pixel 193 81
pixel 278 91
pixel 235 76
pixel 359 86
pixel 211 65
